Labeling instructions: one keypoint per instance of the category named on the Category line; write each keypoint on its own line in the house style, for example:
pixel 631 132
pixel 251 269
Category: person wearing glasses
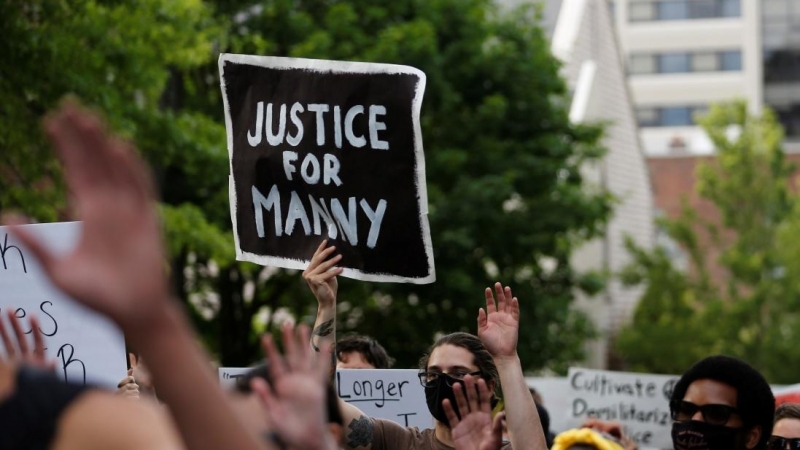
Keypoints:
pixel 721 403
pixel 490 356
pixel 786 431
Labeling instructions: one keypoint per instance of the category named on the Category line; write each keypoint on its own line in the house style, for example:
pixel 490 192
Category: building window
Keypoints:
pixel 683 9
pixel 731 61
pixel 669 116
pixel 673 10
pixel 731 8
pixel 676 116
pixel 685 62
pixel 673 63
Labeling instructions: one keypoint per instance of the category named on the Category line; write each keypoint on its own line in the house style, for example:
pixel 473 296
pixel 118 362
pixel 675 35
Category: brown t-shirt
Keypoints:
pixel 389 435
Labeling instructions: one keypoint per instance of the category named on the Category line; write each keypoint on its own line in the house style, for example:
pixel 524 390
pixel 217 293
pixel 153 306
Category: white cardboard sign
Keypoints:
pixel 391 394
pixel 640 402
pixel 87 346
pixel 229 375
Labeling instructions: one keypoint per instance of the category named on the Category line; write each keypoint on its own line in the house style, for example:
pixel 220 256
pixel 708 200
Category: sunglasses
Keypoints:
pixel 713 414
pixel 782 443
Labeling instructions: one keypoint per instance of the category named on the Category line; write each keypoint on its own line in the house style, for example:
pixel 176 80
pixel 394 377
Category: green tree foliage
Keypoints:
pixel 505 189
pixel 752 312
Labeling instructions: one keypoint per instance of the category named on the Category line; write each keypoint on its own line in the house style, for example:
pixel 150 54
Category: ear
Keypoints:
pixel 753 437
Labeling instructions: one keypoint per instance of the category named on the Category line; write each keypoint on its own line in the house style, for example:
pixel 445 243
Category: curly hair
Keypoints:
pixel 754 398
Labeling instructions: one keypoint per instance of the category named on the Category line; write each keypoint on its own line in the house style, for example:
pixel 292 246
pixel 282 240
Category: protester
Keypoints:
pixel 786 431
pixel 137 383
pixel 357 351
pixel 352 351
pixel 473 427
pixel 38 410
pixel 492 356
pixel 721 403
pixel 117 269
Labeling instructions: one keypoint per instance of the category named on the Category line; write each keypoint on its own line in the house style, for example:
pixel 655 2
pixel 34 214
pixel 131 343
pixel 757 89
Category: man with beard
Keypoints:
pixel 721 403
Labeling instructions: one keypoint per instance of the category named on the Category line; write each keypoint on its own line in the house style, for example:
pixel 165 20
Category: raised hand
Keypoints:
pixel 475 430
pixel 295 402
pixel 127 387
pixel 498 325
pixel 18 350
pixel 321 274
pixel 117 268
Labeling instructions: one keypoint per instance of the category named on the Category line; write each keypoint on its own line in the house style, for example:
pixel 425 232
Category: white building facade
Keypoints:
pixel 683 55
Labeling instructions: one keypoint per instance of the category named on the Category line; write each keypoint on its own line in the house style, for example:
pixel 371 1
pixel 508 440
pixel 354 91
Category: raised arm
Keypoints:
pixel 117 269
pixel 498 328
pixel 320 275
pixel 321 278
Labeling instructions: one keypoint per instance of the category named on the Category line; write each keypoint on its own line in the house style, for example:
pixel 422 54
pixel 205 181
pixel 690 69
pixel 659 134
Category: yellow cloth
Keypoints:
pixel 585 436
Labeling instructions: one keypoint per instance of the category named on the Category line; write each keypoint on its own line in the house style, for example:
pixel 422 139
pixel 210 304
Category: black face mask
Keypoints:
pixel 440 390
pixel 694 435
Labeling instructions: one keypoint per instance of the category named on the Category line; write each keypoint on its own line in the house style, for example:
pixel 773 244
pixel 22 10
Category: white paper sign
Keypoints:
pixel 87 347
pixel 229 375
pixel 554 392
pixel 391 394
pixel 640 402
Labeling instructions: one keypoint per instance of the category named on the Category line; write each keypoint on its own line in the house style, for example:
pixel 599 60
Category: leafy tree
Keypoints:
pixel 751 313
pixel 502 159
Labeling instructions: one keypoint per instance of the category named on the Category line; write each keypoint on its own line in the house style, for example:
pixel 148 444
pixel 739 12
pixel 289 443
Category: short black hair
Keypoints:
pixel 242 386
pixel 369 348
pixel 755 401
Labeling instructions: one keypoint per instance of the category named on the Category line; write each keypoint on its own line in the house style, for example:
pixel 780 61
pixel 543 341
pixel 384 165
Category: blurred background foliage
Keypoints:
pixel 507 200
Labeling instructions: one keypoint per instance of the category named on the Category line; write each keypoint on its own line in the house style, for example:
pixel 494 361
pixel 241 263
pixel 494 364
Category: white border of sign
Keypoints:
pixel 323 66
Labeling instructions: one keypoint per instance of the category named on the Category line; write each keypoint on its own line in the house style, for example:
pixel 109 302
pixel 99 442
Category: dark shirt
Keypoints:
pixel 29 417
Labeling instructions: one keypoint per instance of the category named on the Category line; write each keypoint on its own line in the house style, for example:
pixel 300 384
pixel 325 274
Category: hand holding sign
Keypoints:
pixel 295 403
pixel 21 352
pixel 474 430
pixel 117 266
pixel 498 325
pixel 321 274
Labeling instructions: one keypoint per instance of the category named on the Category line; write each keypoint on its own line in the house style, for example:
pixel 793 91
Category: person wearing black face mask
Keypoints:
pixel 721 403
pixel 490 356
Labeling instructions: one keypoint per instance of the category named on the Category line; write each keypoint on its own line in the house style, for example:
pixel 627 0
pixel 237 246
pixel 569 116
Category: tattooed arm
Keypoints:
pixel 321 278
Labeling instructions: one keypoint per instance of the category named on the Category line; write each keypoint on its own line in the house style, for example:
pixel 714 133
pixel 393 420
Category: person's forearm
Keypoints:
pixel 524 425
pixel 323 337
pixel 186 383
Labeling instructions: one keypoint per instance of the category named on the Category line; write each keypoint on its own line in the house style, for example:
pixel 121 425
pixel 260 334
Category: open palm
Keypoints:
pixel 295 402
pixel 472 428
pixel 498 325
pixel 113 196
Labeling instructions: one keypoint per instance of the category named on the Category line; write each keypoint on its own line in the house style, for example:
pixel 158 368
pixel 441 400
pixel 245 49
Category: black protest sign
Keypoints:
pixel 328 149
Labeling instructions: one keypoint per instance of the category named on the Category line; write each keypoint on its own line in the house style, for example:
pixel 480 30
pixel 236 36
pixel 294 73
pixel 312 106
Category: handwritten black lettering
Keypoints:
pixel 67 361
pixel 5 247
pixel 405 417
pixel 46 313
